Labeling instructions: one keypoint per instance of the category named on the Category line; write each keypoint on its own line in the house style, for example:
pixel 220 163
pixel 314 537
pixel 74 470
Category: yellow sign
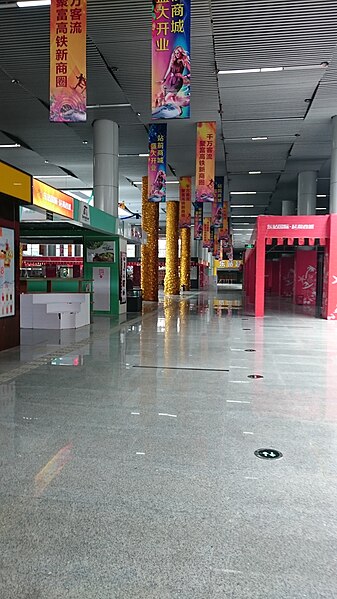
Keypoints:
pixel 15 183
pixel 226 265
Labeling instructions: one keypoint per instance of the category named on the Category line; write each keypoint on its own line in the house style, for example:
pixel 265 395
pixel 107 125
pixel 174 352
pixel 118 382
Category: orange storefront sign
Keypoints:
pixel 49 198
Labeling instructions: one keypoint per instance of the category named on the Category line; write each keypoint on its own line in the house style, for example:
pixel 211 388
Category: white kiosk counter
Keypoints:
pixel 54 310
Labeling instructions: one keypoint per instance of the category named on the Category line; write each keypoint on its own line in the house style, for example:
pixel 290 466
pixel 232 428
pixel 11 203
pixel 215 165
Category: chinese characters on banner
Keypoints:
pixel 217 206
pixel 206 232
pixel 224 229
pixel 171 40
pixel 185 192
pixel 205 168
pixel 157 163
pixel 216 244
pixel 68 69
pixel 198 221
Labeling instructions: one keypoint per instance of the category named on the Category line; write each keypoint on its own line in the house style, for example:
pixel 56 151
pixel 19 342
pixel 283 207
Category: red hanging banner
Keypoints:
pixel 185 202
pixel 205 167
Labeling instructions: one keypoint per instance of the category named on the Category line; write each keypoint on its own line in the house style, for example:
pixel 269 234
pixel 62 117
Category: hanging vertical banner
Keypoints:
pixel 185 199
pixel 198 221
pixel 217 206
pixel 68 69
pixel 205 168
pixel 224 229
pixel 216 244
pixel 157 163
pixel 171 41
pixel 206 232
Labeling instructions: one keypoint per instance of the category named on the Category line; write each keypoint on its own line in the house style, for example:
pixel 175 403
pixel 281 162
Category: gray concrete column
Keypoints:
pixel 288 208
pixel 333 173
pixel 106 148
pixel 306 193
pixel 51 250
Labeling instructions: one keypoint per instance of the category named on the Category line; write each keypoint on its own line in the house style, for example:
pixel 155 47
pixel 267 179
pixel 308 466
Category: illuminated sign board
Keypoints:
pixel 15 183
pixel 49 198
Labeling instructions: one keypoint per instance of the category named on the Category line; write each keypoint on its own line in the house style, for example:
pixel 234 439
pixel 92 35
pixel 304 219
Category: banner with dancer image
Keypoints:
pixel 205 167
pixel 185 198
pixel 217 206
pixel 68 69
pixel 171 65
pixel 157 163
pixel 198 221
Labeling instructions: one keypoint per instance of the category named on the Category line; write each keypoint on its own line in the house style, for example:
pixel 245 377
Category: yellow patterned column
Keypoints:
pixel 172 283
pixel 149 264
pixel 185 259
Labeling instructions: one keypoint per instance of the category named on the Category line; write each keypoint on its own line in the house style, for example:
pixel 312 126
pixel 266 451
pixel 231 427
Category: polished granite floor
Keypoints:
pixel 127 457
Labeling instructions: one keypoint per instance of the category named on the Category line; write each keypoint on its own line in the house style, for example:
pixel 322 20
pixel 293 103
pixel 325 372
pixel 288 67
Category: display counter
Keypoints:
pixel 55 285
pixel 54 310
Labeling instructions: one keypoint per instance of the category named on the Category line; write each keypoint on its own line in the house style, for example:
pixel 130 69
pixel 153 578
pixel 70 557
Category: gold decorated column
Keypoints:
pixel 172 283
pixel 185 259
pixel 149 263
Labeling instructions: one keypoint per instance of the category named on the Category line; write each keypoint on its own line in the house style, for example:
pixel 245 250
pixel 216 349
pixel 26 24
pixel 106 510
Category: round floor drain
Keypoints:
pixel 268 454
pixel 250 349
pixel 255 376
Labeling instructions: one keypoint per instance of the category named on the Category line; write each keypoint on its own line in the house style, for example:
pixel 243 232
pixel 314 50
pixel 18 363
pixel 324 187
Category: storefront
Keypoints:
pixel 15 189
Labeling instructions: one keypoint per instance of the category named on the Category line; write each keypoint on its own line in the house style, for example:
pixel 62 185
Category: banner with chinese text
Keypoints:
pixel 171 42
pixel 224 229
pixel 185 199
pixel 157 163
pixel 205 167
pixel 198 221
pixel 217 206
pixel 68 69
pixel 206 232
pixel 216 244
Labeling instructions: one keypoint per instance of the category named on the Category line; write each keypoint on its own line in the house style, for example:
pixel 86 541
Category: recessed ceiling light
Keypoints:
pixel 46 161
pixel 320 208
pixel 240 224
pixel 238 71
pixel 242 206
pixel 247 230
pixel 33 3
pixel 321 195
pixel 243 193
pixel 246 215
pixel 84 142
pixel 254 173
pixel 143 155
pixel 259 138
pixel 10 146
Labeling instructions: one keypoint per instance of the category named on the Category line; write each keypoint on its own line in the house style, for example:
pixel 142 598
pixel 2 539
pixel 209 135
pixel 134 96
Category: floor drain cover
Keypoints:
pixel 268 454
pixel 250 349
pixel 255 376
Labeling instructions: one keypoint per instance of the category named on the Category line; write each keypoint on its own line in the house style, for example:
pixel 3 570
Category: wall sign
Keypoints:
pixel 7 273
pixel 54 200
pixel 101 251
pixel 123 277
pixel 84 213
pixel 15 183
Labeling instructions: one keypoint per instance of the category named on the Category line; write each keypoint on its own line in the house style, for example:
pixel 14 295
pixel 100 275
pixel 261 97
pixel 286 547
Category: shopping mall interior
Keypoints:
pixel 168 299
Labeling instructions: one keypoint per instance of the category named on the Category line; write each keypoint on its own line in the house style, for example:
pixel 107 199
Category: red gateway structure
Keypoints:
pixel 292 275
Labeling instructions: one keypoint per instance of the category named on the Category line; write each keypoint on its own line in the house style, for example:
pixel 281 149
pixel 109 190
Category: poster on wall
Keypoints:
pixel 171 65
pixel 101 286
pixel 157 163
pixel 7 273
pixel 101 251
pixel 68 69
pixel 123 278
pixel 205 166
pixel 185 199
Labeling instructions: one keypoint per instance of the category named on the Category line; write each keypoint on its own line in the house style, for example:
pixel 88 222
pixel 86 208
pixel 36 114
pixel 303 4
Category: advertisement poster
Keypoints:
pixel 216 244
pixel 198 221
pixel 123 277
pixel 206 232
pixel 205 167
pixel 7 273
pixel 101 251
pixel 68 69
pixel 157 163
pixel 102 291
pixel 171 64
pixel 217 206
pixel 185 202
pixel 49 198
